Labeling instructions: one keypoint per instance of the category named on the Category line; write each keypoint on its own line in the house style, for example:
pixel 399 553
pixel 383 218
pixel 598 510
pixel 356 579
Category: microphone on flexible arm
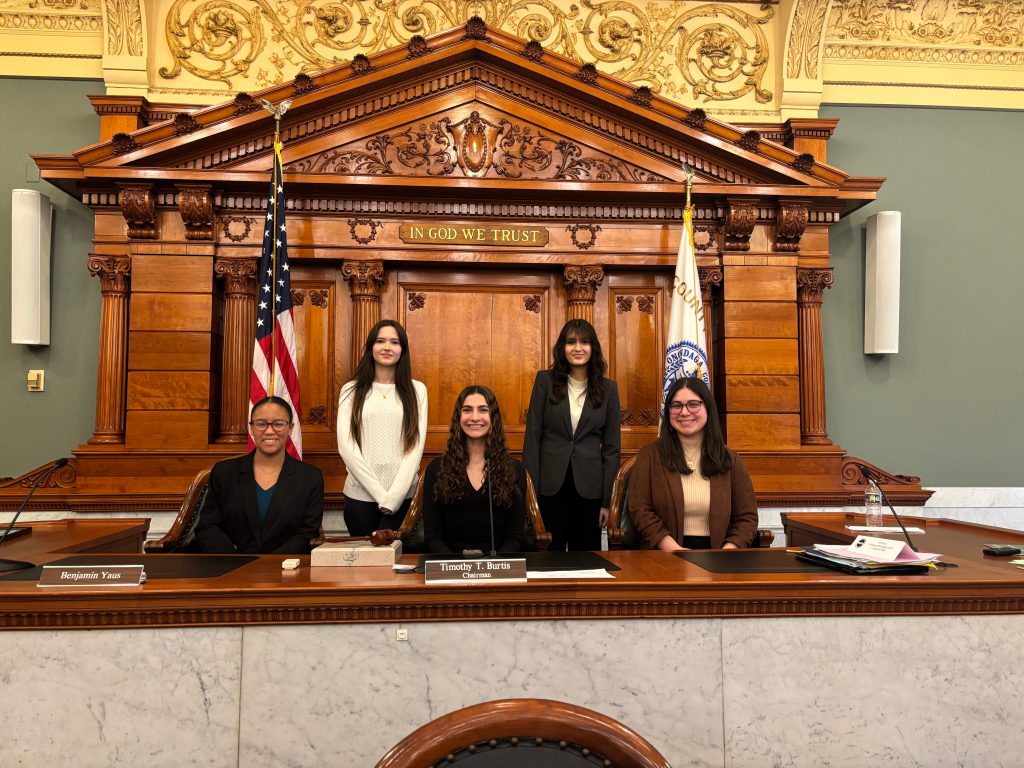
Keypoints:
pixel 871 479
pixel 18 565
pixel 490 498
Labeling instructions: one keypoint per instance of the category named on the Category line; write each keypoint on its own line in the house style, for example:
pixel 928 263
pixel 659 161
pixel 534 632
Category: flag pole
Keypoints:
pixel 277 111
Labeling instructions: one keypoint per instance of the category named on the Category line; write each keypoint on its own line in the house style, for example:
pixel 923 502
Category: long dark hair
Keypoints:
pixel 714 456
pixel 451 475
pixel 597 367
pixel 403 386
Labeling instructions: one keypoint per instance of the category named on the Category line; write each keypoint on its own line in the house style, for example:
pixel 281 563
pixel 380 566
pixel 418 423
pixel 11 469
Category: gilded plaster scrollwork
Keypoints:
pixel 124 26
pixel 944 32
pixel 805 38
pixel 710 52
pixel 474 146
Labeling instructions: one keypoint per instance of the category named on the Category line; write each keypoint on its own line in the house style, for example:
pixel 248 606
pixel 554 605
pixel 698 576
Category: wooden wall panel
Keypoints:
pixel 762 356
pixel 758 319
pixel 168 429
pixel 756 430
pixel 314 313
pixel 169 390
pixel 173 312
pixel 761 394
pixel 742 283
pixel 162 351
pixel 638 316
pixel 473 329
pixel 171 274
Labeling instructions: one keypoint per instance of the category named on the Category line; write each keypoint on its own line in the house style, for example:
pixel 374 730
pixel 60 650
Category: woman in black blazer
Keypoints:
pixel 265 502
pixel 571 449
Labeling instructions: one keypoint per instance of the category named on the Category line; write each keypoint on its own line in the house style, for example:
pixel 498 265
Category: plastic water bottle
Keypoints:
pixel 872 508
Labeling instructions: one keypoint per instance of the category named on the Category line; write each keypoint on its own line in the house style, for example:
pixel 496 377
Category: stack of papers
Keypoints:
pixel 863 558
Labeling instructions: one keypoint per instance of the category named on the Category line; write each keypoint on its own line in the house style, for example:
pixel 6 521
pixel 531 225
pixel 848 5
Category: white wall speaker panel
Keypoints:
pixel 31 217
pixel 882 285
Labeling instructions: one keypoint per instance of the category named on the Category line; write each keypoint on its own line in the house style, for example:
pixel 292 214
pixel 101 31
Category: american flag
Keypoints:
pixel 275 373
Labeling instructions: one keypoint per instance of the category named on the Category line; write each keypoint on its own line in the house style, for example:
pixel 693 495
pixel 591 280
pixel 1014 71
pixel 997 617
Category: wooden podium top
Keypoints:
pixel 649 585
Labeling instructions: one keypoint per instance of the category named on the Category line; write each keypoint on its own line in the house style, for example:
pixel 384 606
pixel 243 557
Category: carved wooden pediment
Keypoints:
pixel 474 141
pixel 470 102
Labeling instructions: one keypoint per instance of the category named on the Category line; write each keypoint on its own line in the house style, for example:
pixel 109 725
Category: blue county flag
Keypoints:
pixel 274 370
pixel 686 354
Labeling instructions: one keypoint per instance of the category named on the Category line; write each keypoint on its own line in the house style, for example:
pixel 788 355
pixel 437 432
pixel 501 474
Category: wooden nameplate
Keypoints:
pixel 341 553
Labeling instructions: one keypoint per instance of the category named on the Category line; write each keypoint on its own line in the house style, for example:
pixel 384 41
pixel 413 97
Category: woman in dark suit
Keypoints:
pixel 265 502
pixel 571 449
pixel 687 490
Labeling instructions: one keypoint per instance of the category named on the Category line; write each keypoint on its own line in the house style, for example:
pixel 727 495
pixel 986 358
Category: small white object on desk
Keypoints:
pixel 882 529
pixel 290 564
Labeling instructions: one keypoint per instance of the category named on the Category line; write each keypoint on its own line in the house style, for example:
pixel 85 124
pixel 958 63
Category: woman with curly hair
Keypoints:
pixel 455 492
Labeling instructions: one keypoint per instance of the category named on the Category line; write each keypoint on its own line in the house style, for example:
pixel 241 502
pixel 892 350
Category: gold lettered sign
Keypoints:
pixel 503 570
pixel 432 233
pixel 92 576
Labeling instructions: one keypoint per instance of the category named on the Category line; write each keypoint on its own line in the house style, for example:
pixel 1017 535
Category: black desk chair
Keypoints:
pixel 536 536
pixel 535 732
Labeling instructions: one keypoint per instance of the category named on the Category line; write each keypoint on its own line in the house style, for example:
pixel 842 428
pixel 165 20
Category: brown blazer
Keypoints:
pixel 656 502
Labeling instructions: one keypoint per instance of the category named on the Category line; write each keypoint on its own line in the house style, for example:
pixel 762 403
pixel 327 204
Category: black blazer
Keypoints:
pixel 230 523
pixel 550 444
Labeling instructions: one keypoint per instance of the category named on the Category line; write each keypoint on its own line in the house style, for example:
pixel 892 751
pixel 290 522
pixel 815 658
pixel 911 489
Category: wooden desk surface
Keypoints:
pixel 650 585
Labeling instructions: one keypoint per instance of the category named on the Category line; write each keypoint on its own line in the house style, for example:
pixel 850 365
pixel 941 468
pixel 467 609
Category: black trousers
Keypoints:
pixel 363 517
pixel 571 519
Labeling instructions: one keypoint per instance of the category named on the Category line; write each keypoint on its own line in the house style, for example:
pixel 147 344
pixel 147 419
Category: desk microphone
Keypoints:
pixel 490 498
pixel 871 479
pixel 18 565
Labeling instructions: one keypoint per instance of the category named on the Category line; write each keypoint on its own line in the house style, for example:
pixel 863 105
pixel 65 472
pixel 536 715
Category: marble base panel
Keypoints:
pixel 138 697
pixel 895 691
pixel 343 695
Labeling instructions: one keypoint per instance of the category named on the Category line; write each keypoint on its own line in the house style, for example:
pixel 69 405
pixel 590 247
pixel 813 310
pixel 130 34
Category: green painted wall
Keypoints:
pixel 949 407
pixel 49 116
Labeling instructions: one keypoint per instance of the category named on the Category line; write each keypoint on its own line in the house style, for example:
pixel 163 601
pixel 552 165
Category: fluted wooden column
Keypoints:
pixel 239 277
pixel 810 284
pixel 112 374
pixel 710 280
pixel 581 289
pixel 365 280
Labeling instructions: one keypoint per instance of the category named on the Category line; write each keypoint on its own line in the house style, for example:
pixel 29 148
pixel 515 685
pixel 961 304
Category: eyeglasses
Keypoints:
pixel 693 406
pixel 278 425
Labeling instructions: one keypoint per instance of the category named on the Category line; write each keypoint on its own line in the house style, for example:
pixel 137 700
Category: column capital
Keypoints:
pixel 365 278
pixel 113 272
pixel 581 281
pixel 810 283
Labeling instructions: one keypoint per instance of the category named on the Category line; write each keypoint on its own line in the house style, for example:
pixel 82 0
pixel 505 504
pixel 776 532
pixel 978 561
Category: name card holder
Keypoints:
pixel 493 570
pixel 92 576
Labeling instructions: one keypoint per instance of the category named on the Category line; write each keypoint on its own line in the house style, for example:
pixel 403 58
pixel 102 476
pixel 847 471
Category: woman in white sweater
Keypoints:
pixel 382 425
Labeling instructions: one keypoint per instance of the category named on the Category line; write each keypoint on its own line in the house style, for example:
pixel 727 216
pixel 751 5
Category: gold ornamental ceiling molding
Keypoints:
pixel 930 52
pixel 50 38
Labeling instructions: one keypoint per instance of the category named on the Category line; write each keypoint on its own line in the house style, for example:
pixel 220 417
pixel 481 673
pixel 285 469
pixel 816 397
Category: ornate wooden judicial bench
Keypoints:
pixel 480 190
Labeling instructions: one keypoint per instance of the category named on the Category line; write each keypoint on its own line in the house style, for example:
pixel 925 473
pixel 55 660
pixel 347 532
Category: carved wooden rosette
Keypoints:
pixel 365 281
pixel 195 203
pixel 138 206
pixel 710 280
pixel 239 277
pixel 810 284
pixel 581 289
pixel 790 223
pixel 740 218
pixel 112 372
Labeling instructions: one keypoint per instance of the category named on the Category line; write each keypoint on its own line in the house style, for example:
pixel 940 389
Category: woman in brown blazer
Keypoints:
pixel 674 505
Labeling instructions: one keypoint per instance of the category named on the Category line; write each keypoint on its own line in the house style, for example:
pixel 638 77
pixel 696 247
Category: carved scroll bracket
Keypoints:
pixel 195 203
pixel 581 288
pixel 790 223
pixel 740 218
pixel 138 206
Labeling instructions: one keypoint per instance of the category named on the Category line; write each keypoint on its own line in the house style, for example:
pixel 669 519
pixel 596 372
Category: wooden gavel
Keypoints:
pixel 382 538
